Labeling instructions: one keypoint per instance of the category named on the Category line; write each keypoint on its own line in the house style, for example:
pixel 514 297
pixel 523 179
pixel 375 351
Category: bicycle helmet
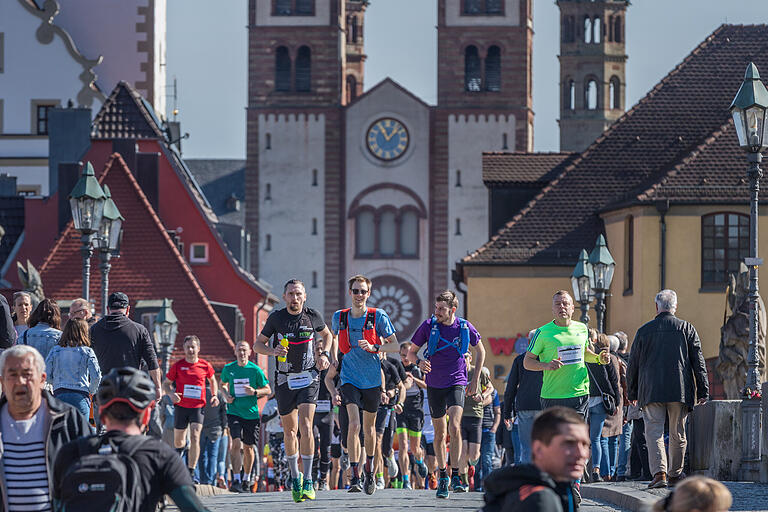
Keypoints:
pixel 127 385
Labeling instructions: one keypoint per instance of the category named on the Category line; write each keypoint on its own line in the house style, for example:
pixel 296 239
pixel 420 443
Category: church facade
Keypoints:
pixel 340 182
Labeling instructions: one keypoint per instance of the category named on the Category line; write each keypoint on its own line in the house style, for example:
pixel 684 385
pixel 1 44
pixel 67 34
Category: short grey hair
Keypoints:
pixel 623 340
pixel 666 300
pixel 614 343
pixel 22 351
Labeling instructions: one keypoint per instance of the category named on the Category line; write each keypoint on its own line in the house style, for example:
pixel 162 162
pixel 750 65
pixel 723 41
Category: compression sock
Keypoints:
pixel 355 473
pixel 237 477
pixel 307 464
pixel 293 464
pixel 406 478
pixel 443 472
pixel 368 463
pixel 419 461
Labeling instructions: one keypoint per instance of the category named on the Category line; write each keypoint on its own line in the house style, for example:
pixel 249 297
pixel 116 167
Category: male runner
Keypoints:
pixel 394 375
pixel 323 423
pixel 189 375
pixel 358 331
pixel 472 421
pixel 411 421
pixel 447 338
pixel 298 369
pixel 244 383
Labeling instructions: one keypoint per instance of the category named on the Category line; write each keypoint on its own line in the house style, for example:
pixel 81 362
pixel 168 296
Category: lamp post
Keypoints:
pixel 108 243
pixel 580 282
pixel 602 274
pixel 87 203
pixel 166 329
pixel 749 118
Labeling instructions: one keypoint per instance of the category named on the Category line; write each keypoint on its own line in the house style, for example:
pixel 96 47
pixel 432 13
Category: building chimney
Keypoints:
pixel 7 185
pixel 69 173
pixel 69 138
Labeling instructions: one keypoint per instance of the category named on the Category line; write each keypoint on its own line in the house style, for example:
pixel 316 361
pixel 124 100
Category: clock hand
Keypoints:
pixel 384 132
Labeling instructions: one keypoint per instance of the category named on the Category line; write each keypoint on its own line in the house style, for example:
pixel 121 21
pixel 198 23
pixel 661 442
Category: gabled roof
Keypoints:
pixel 518 168
pixel 663 131
pixel 150 267
pixel 220 180
pixel 126 115
pixel 382 84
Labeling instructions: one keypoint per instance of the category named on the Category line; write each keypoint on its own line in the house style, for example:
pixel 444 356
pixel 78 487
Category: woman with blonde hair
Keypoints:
pixel 696 494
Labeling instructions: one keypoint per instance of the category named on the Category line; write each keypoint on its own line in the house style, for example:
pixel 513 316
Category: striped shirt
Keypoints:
pixel 26 474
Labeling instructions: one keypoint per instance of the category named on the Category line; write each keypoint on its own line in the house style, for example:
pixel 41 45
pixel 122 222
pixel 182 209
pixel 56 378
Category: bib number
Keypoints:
pixel 299 380
pixel 240 386
pixel 323 406
pixel 193 392
pixel 571 354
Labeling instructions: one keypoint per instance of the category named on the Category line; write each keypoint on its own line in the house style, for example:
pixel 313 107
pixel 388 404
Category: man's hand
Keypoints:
pixel 508 423
pixel 384 397
pixel 363 344
pixel 425 366
pixel 554 364
pixel 633 402
pixel 492 430
pixel 336 399
pixel 398 409
pixel 229 398
pixel 605 357
pixel 249 390
pixel 175 398
pixel 408 381
pixel 214 401
pixel 322 362
pixel 158 394
pixel 472 390
pixel 279 351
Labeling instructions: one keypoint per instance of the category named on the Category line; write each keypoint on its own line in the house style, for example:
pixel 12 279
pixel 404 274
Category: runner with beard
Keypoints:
pixel 300 359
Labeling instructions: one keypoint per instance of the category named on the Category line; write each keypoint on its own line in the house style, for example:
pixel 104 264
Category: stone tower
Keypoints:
pixel 592 69
pixel 355 63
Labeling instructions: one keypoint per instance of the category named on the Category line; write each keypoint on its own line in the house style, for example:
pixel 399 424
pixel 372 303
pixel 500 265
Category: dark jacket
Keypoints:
pixel 64 424
pixel 665 361
pixel 526 488
pixel 605 377
pixel 119 341
pixel 523 391
pixel 7 332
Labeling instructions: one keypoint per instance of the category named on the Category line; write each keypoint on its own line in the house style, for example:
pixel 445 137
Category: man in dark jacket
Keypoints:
pixel 521 399
pixel 666 375
pixel 560 450
pixel 119 341
pixel 7 332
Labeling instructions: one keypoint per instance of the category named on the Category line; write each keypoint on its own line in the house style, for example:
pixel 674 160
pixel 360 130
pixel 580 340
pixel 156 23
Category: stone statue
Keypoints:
pixel 731 366
pixel 30 280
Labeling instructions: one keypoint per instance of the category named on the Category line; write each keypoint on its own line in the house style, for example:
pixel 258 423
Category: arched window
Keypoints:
pixel 387 233
pixel 724 245
pixel 409 234
pixel 587 29
pixel 568 94
pixel 282 69
pixel 597 30
pixel 305 7
pixel 493 69
pixel 304 69
pixel 365 233
pixel 590 94
pixel 472 71
pixel 617 29
pixel 614 92
pixel 351 88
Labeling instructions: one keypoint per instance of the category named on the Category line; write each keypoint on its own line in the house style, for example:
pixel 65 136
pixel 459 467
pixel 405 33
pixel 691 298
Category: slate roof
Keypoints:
pixel 126 115
pixel 150 267
pixel 221 179
pixel 679 128
pixel 506 169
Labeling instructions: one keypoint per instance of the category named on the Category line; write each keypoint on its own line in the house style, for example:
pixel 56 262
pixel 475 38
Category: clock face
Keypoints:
pixel 387 139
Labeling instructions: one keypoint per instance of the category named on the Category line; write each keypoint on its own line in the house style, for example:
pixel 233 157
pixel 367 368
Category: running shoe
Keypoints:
pixel 369 485
pixel 308 490
pixel 380 482
pixel 392 467
pixel 235 487
pixel 322 485
pixel 344 461
pixel 442 488
pixel 576 488
pixel 457 485
pixel 296 489
pixel 354 485
pixel 422 468
pixel 407 484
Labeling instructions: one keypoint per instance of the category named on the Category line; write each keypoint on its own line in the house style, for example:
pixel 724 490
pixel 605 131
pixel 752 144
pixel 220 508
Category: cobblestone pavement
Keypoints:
pixel 746 495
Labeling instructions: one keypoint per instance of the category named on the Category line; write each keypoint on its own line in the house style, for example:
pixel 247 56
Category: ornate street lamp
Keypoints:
pixel 602 275
pixel 108 243
pixel 166 329
pixel 749 118
pixel 581 283
pixel 87 203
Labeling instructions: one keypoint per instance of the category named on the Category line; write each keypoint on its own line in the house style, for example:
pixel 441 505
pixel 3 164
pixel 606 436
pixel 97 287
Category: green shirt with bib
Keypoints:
pixel 236 377
pixel 569 343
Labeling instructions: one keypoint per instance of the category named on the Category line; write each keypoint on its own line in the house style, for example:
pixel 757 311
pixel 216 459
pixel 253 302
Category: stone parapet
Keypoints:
pixel 715 439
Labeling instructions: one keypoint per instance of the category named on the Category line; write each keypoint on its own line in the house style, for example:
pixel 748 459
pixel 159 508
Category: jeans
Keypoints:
pixel 208 462
pixel 596 420
pixel 609 446
pixel 78 400
pixel 221 458
pixel 514 435
pixel 487 448
pixel 524 429
pixel 624 447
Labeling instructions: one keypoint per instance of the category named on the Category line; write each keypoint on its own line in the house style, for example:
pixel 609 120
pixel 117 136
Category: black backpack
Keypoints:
pixel 104 477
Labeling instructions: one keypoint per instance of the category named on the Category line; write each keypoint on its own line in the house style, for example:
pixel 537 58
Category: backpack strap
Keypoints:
pixel 464 336
pixel 343 319
pixel 434 337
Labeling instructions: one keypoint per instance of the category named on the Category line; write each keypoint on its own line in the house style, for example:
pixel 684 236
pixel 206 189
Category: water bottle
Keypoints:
pixel 284 343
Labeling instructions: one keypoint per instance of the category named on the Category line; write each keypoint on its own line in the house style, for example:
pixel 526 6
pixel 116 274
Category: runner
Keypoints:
pixel 448 338
pixel 189 375
pixel 300 359
pixel 394 375
pixel 427 444
pixel 411 421
pixel 243 383
pixel 323 423
pixel 472 422
pixel 359 331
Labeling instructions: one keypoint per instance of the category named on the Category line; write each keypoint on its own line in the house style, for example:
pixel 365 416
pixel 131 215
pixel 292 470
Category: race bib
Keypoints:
pixel 193 392
pixel 323 406
pixel 240 386
pixel 571 354
pixel 299 380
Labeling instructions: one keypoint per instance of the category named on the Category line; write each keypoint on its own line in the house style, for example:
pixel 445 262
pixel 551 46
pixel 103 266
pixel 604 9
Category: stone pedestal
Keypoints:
pixel 764 458
pixel 715 439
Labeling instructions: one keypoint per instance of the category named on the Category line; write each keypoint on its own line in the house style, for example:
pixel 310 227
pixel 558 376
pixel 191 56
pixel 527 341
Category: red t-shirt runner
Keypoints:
pixel 190 381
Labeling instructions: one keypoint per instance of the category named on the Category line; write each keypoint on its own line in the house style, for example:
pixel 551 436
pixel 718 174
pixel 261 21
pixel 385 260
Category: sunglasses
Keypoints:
pixel 356 291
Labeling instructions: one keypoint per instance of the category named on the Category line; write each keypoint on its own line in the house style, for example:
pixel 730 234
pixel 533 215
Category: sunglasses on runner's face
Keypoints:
pixel 357 291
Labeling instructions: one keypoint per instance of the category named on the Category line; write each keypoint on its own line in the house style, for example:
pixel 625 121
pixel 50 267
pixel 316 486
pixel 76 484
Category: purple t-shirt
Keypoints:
pixel 448 366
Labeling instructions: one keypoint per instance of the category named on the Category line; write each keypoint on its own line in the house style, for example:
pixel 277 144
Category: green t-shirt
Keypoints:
pixel 471 406
pixel 570 343
pixel 244 406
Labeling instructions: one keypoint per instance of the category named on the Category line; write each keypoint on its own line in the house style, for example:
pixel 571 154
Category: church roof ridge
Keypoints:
pixel 384 81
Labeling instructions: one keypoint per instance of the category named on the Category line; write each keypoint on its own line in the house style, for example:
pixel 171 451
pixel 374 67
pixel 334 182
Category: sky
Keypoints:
pixel 207 56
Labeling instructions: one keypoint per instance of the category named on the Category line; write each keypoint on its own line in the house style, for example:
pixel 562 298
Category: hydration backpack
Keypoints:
pixel 461 345
pixel 103 478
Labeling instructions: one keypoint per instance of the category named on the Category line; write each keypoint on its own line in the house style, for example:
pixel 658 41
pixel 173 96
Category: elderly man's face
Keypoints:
pixel 23 384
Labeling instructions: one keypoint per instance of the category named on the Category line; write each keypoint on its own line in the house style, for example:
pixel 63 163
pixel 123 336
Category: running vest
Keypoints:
pixel 369 329
pixel 434 338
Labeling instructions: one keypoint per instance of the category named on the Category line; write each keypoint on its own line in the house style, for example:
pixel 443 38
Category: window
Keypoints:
pixel 365 233
pixel 567 29
pixel 41 118
pixel 483 7
pixel 303 69
pixel 617 29
pixel 2 52
pixel 268 141
pixel 494 7
pixel 355 33
pixel 351 88
pixel 314 226
pixel 629 249
pixel 387 234
pixel 314 279
pixel 305 7
pixel 590 94
pixel 493 69
pixel 283 8
pixel 458 227
pixel 198 253
pixel 293 7
pixel 472 77
pixel 725 244
pixel 597 30
pixel 282 70
pixel 314 177
pixel 587 29
pixel 268 192
pixel 409 234
pixel 473 6
pixel 569 95
pixel 458 178
pixel 614 93
pixel 268 243
pixel 504 144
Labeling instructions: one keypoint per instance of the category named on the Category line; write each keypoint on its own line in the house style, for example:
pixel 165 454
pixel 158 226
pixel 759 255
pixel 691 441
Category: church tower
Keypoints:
pixel 484 55
pixel 592 69
pixel 294 167
pixel 355 63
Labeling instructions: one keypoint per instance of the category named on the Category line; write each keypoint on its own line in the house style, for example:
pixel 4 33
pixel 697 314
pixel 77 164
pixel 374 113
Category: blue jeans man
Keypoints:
pixel 207 465
pixel 487 446
pixel 624 449
pixel 524 428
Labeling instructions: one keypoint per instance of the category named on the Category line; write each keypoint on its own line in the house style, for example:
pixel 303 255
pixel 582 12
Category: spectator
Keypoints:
pixel 166 419
pixel 81 308
pixel 603 379
pixel 625 437
pixel 221 459
pixel 214 423
pixel 504 441
pixel 72 368
pixel 22 308
pixel 612 428
pixel 44 327
pixel 666 375
pixel 638 448
pixel 31 433
pixel 698 493
pixel 7 331
pixel 490 424
pixel 118 341
pixel 521 401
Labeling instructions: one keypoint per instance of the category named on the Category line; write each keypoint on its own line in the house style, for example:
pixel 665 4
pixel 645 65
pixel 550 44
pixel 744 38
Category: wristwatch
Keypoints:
pixel 377 348
pixel 326 354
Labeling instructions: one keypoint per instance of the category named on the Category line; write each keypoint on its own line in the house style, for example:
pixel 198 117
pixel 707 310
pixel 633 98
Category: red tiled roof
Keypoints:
pixel 665 129
pixel 150 267
pixel 504 169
